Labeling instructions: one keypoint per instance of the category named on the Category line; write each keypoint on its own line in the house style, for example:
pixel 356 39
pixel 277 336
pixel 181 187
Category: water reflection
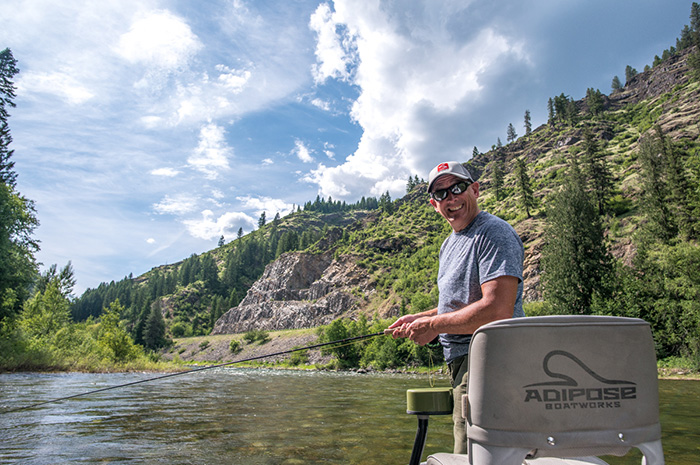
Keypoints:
pixel 253 417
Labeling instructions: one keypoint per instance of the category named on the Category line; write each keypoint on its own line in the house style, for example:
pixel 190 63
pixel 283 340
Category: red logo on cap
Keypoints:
pixel 443 166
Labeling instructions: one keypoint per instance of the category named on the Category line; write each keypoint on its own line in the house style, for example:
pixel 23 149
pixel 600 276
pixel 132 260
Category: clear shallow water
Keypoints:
pixel 241 416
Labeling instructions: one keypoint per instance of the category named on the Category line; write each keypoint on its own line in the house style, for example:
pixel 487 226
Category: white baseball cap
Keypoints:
pixel 454 168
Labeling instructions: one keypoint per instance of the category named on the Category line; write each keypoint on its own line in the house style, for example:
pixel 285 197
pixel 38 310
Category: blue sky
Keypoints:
pixel 145 129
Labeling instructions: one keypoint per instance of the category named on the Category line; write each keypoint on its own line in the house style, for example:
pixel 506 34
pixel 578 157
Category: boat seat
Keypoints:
pixel 560 390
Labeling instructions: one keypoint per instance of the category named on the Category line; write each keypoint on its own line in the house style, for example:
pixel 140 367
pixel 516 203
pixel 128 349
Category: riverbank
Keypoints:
pixel 216 349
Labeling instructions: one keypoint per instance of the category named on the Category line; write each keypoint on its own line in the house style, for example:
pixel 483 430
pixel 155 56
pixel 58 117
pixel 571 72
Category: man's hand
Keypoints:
pixel 415 327
pixel 420 331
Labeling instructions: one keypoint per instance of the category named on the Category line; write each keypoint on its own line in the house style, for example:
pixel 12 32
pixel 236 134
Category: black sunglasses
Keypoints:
pixel 456 188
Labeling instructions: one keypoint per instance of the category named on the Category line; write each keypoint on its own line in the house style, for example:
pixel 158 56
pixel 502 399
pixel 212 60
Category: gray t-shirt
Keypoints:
pixel 486 249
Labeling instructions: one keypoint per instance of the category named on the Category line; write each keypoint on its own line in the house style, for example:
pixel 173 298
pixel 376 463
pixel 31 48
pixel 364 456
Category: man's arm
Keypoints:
pixel 497 303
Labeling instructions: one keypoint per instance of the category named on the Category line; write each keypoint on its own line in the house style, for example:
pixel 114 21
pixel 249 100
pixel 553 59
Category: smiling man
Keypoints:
pixel 480 278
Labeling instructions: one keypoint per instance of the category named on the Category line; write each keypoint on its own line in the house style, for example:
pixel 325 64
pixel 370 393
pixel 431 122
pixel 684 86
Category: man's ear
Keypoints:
pixel 475 186
pixel 433 203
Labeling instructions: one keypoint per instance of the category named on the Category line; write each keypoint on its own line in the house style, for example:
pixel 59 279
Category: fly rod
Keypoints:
pixel 209 367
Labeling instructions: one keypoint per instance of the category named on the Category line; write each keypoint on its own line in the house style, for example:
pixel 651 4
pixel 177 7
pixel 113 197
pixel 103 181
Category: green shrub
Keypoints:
pixel 180 329
pixel 538 308
pixel 299 357
pixel 259 335
pixel 234 346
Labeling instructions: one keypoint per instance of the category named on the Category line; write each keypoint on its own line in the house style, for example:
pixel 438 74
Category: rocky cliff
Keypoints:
pixel 299 290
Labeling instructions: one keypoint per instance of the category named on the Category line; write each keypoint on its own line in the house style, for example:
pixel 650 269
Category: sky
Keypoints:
pixel 147 129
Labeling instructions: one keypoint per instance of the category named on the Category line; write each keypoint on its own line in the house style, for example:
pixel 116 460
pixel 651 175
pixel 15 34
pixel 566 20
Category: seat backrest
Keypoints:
pixel 562 386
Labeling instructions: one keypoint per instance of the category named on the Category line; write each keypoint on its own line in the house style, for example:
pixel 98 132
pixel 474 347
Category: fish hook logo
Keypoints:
pixel 568 380
pixel 564 392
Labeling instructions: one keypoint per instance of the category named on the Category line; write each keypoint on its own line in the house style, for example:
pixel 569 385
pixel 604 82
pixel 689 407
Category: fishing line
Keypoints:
pixel 179 373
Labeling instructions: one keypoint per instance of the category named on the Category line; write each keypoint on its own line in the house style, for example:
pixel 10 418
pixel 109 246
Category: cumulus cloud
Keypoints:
pixel 210 157
pixel 420 83
pixel 178 205
pixel 333 59
pixel 210 227
pixel 266 204
pixel 232 79
pixel 158 39
pixel 302 152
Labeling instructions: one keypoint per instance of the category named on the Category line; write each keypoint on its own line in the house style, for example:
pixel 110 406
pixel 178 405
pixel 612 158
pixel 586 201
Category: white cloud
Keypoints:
pixel 60 84
pixel 179 205
pixel 211 154
pixel 302 152
pixel 322 104
pixel 159 39
pixel 333 59
pixel 327 149
pixel 165 172
pixel 233 80
pixel 266 204
pixel 210 227
pixel 150 240
pixel 420 83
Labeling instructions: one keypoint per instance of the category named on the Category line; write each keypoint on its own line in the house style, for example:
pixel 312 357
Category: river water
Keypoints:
pixel 253 416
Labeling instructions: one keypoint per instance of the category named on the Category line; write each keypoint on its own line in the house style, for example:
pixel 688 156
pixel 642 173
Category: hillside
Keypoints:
pixel 380 258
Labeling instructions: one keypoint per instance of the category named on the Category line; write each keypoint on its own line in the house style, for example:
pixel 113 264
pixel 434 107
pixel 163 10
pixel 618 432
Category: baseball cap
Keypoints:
pixel 454 168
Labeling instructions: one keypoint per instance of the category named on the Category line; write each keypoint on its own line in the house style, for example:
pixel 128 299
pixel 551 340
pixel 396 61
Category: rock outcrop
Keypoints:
pixel 298 290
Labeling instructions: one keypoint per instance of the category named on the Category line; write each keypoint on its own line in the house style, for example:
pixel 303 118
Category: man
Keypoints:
pixel 479 280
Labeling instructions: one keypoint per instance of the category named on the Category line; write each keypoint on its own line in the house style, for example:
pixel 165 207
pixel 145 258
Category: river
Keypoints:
pixel 253 416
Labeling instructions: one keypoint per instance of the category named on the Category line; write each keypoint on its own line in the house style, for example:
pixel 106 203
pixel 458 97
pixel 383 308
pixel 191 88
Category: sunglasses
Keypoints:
pixel 456 188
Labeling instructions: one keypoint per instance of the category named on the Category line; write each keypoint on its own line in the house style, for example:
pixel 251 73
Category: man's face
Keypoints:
pixel 459 210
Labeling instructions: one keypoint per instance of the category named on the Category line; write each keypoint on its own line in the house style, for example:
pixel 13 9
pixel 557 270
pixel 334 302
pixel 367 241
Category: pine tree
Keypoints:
pixel 694 39
pixel 209 273
pixel 385 203
pixel 528 123
pixel 630 73
pixel 17 213
pixel 154 330
pixel 410 185
pixel 527 199
pixel 575 260
pixel 679 193
pixel 659 222
pixel 616 84
pixel 497 178
pixel 511 134
pixel 597 172
pixel 221 241
pixel 262 220
pixel 7 173
pixel 594 100
pixel 8 69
